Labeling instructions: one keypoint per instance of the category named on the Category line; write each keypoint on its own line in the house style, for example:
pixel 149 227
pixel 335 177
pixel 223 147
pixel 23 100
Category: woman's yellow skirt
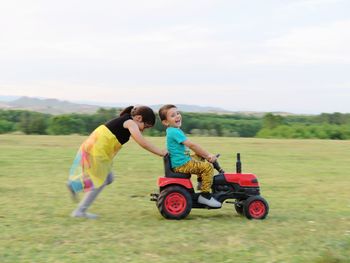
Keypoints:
pixel 94 160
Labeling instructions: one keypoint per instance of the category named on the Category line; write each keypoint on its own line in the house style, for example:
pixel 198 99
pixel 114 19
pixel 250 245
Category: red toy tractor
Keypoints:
pixel 177 197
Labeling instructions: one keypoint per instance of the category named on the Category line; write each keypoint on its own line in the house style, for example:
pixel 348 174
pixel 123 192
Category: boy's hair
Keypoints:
pixel 147 113
pixel 164 110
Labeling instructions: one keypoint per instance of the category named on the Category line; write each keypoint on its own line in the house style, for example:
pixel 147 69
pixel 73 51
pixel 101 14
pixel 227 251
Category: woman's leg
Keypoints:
pixel 89 198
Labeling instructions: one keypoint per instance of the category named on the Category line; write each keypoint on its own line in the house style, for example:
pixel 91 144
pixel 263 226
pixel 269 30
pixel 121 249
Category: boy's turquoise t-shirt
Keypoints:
pixel 179 153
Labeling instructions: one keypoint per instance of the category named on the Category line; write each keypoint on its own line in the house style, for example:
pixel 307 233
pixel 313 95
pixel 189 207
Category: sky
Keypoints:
pixel 271 55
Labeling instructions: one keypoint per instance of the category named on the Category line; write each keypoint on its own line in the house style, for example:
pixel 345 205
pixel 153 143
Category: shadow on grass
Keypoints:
pixel 218 217
pixel 224 217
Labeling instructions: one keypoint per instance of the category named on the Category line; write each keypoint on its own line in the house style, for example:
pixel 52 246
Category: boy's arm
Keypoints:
pixel 200 151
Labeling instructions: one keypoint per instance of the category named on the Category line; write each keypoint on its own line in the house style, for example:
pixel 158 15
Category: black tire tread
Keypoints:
pixel 169 190
pixel 249 201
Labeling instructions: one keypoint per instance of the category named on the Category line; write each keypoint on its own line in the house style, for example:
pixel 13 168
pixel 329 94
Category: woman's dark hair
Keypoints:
pixel 147 113
pixel 164 110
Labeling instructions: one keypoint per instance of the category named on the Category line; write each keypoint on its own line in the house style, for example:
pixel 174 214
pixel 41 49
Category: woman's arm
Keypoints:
pixel 200 151
pixel 137 136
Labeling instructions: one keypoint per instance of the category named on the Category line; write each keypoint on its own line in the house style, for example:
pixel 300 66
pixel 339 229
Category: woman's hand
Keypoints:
pixel 164 152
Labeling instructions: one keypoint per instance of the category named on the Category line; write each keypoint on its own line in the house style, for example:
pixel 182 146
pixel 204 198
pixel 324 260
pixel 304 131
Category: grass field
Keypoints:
pixel 306 182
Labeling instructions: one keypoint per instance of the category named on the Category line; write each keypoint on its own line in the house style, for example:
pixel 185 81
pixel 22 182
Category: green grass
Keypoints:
pixel 306 183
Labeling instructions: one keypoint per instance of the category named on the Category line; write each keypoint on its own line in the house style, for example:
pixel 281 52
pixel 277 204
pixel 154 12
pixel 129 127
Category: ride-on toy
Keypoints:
pixel 177 197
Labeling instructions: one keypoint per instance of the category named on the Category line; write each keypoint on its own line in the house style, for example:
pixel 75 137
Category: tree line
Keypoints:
pixel 323 126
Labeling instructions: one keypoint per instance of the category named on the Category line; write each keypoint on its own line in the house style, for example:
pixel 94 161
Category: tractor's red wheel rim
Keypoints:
pixel 175 203
pixel 257 209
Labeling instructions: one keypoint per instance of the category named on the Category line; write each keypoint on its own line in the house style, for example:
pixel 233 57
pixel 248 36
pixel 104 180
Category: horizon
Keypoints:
pixel 10 98
pixel 266 56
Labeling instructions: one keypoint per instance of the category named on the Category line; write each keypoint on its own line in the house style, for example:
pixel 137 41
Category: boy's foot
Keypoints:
pixel 73 194
pixel 207 199
pixel 83 214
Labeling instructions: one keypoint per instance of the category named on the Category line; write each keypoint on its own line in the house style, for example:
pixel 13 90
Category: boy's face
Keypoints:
pixel 173 118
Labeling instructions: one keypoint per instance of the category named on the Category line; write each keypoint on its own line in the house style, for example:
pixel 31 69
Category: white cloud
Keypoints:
pixel 328 44
pixel 310 4
pixel 234 54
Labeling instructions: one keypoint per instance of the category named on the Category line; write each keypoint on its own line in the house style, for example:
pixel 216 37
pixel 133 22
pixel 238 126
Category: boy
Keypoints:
pixel 180 159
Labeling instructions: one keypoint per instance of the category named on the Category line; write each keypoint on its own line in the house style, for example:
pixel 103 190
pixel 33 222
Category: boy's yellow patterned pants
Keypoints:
pixel 204 170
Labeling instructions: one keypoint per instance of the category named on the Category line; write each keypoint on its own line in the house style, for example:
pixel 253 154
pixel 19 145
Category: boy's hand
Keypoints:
pixel 211 158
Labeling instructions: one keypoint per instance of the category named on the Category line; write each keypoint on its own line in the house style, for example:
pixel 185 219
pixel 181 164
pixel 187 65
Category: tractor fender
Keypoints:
pixel 246 180
pixel 164 181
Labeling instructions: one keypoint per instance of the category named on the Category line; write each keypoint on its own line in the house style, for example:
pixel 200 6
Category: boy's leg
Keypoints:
pixel 206 171
pixel 199 183
pixel 88 199
pixel 203 170
pixel 199 177
pixel 197 157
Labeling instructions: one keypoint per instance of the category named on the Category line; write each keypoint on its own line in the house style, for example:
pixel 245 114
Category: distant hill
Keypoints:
pixel 56 107
pixel 51 106
pixel 195 108
pixel 8 98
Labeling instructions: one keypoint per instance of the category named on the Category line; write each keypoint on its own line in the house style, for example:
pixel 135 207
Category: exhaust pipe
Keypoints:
pixel 238 164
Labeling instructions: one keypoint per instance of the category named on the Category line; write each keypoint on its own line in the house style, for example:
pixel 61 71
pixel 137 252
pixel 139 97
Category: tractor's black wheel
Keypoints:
pixel 239 208
pixel 255 207
pixel 174 202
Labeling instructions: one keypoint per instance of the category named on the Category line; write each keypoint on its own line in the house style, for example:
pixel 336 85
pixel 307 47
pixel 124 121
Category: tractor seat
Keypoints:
pixel 170 173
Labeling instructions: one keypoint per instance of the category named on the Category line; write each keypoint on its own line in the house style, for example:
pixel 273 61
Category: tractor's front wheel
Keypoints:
pixel 255 207
pixel 174 202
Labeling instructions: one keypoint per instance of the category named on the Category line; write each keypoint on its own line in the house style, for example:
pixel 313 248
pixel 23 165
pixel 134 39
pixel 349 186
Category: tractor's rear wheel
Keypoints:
pixel 174 202
pixel 255 207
